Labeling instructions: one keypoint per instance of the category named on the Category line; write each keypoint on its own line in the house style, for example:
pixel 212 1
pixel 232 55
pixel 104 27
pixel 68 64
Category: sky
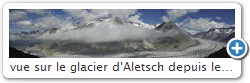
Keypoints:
pixel 154 16
pixel 191 20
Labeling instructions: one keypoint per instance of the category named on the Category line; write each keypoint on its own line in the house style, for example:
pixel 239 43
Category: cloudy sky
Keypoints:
pixel 193 21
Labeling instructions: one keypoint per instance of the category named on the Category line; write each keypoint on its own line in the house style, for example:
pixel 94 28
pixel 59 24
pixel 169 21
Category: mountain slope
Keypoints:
pixel 14 53
pixel 218 34
pixel 172 39
pixel 180 37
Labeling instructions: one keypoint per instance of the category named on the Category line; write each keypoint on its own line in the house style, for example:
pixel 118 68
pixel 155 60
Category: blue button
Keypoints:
pixel 237 48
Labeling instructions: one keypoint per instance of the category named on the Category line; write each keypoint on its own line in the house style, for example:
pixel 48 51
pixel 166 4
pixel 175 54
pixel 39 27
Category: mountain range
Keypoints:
pixel 116 20
pixel 174 39
pixel 218 34
pixel 179 40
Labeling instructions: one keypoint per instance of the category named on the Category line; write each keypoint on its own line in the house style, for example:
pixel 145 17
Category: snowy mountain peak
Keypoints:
pixel 142 24
pixel 217 34
pixel 222 30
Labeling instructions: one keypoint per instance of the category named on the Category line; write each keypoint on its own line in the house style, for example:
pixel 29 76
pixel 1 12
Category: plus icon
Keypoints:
pixel 237 48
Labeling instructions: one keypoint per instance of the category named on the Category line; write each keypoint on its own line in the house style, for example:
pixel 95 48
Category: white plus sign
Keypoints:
pixel 237 48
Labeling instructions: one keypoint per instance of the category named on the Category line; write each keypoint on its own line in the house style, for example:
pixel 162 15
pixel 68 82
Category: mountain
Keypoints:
pixel 50 31
pixel 218 34
pixel 14 53
pixel 119 21
pixel 166 26
pixel 170 27
pixel 116 21
pixel 142 24
pixel 176 39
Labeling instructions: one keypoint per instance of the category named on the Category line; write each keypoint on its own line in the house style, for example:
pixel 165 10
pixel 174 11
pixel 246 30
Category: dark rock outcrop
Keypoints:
pixel 14 53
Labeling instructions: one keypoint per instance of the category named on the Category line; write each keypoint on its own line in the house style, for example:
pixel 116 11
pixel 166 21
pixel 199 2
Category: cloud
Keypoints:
pixel 201 24
pixel 49 22
pixel 134 18
pixel 191 31
pixel 176 13
pixel 100 32
pixel 77 13
pixel 54 22
pixel 24 23
pixel 14 37
pixel 165 19
pixel 106 32
pixel 84 16
pixel 38 11
pixel 71 19
pixel 122 13
pixel 46 22
pixel 89 15
pixel 16 15
pixel 218 18
pixel 173 14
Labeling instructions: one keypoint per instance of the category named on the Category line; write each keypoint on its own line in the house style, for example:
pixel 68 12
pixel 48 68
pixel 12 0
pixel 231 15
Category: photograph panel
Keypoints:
pixel 120 33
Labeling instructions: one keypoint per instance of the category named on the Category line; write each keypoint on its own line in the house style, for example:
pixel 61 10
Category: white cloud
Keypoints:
pixel 89 15
pixel 49 22
pixel 38 11
pixel 84 16
pixel 122 13
pixel 191 31
pixel 77 13
pixel 165 19
pixel 53 22
pixel 70 20
pixel 177 13
pixel 16 15
pixel 218 18
pixel 134 18
pixel 104 33
pixel 24 23
pixel 201 24
pixel 14 37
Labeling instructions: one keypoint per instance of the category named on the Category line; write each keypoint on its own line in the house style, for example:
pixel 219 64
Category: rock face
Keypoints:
pixel 14 53
pixel 166 26
pixel 218 34
pixel 180 39
pixel 118 21
pixel 181 35
pixel 176 40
